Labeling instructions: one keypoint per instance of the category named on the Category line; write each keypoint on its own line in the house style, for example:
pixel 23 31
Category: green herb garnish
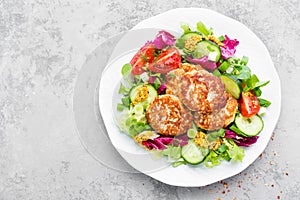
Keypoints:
pixel 264 103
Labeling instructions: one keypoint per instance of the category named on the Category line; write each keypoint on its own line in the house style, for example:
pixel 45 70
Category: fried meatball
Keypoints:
pixel 167 116
pixel 202 91
pixel 218 118
pixel 230 110
pixel 210 121
pixel 174 77
pixel 187 67
pixel 194 91
pixel 217 96
pixel 196 88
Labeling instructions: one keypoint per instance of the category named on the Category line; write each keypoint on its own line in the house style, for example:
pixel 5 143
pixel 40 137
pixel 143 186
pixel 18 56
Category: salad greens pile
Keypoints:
pixel 144 80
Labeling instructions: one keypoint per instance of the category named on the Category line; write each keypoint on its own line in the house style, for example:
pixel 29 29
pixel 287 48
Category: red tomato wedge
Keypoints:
pixel 168 60
pixel 249 104
pixel 141 58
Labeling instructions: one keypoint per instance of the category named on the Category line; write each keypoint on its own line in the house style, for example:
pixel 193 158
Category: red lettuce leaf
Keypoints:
pixel 180 140
pixel 240 140
pixel 149 144
pixel 151 79
pixel 204 62
pixel 164 39
pixel 157 143
pixel 228 50
pixel 161 89
pixel 161 142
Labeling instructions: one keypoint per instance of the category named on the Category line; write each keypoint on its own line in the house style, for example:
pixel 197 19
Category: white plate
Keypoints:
pixel 259 61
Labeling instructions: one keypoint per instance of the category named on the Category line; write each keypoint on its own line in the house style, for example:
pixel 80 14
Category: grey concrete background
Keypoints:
pixel 43 45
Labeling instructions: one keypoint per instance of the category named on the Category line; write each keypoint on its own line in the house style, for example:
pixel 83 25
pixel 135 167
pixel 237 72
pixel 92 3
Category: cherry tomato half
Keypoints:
pixel 141 58
pixel 168 60
pixel 249 104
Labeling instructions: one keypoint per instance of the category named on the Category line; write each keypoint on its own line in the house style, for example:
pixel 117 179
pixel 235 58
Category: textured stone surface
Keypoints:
pixel 43 45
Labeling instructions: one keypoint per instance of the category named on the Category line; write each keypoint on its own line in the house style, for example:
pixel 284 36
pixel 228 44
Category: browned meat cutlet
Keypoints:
pixel 197 89
pixel 210 121
pixel 167 116
pixel 174 77
pixel 203 92
pixel 218 118
pixel 194 91
pixel 230 110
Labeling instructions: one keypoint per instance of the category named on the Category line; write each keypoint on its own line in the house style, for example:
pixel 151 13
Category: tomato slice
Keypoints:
pixel 249 104
pixel 141 58
pixel 168 60
pixel 137 64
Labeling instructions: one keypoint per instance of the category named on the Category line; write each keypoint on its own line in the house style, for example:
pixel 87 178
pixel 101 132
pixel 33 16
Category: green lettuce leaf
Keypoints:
pixel 202 29
pixel 173 152
pixel 185 27
pixel 237 153
pixel 123 89
pixel 264 103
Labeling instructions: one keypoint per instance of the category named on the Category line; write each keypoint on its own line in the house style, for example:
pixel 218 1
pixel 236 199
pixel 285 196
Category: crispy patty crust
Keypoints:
pixel 167 116
pixel 218 118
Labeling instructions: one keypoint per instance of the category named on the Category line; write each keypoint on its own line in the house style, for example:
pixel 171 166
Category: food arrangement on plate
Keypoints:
pixel 191 99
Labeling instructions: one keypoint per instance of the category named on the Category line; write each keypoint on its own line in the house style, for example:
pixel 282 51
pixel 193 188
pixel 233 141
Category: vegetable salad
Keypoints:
pixel 191 99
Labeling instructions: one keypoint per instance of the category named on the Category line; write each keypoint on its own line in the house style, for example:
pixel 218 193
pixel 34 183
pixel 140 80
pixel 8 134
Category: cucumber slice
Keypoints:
pixel 152 93
pixel 189 35
pixel 250 126
pixel 207 48
pixel 138 109
pixel 232 85
pixel 186 37
pixel 191 133
pixel 193 154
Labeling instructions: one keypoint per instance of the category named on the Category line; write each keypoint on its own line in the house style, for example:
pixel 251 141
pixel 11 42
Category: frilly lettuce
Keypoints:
pixel 161 89
pixel 164 39
pixel 228 50
pixel 157 143
pixel 161 142
pixel 133 121
pixel 204 62
pixel 240 140
pixel 227 151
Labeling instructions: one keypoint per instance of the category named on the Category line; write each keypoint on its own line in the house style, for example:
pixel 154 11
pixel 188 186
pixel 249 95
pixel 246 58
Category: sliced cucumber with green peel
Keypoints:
pixel 232 85
pixel 152 93
pixel 250 126
pixel 205 48
pixel 186 37
pixel 189 35
pixel 193 154
pixel 191 133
